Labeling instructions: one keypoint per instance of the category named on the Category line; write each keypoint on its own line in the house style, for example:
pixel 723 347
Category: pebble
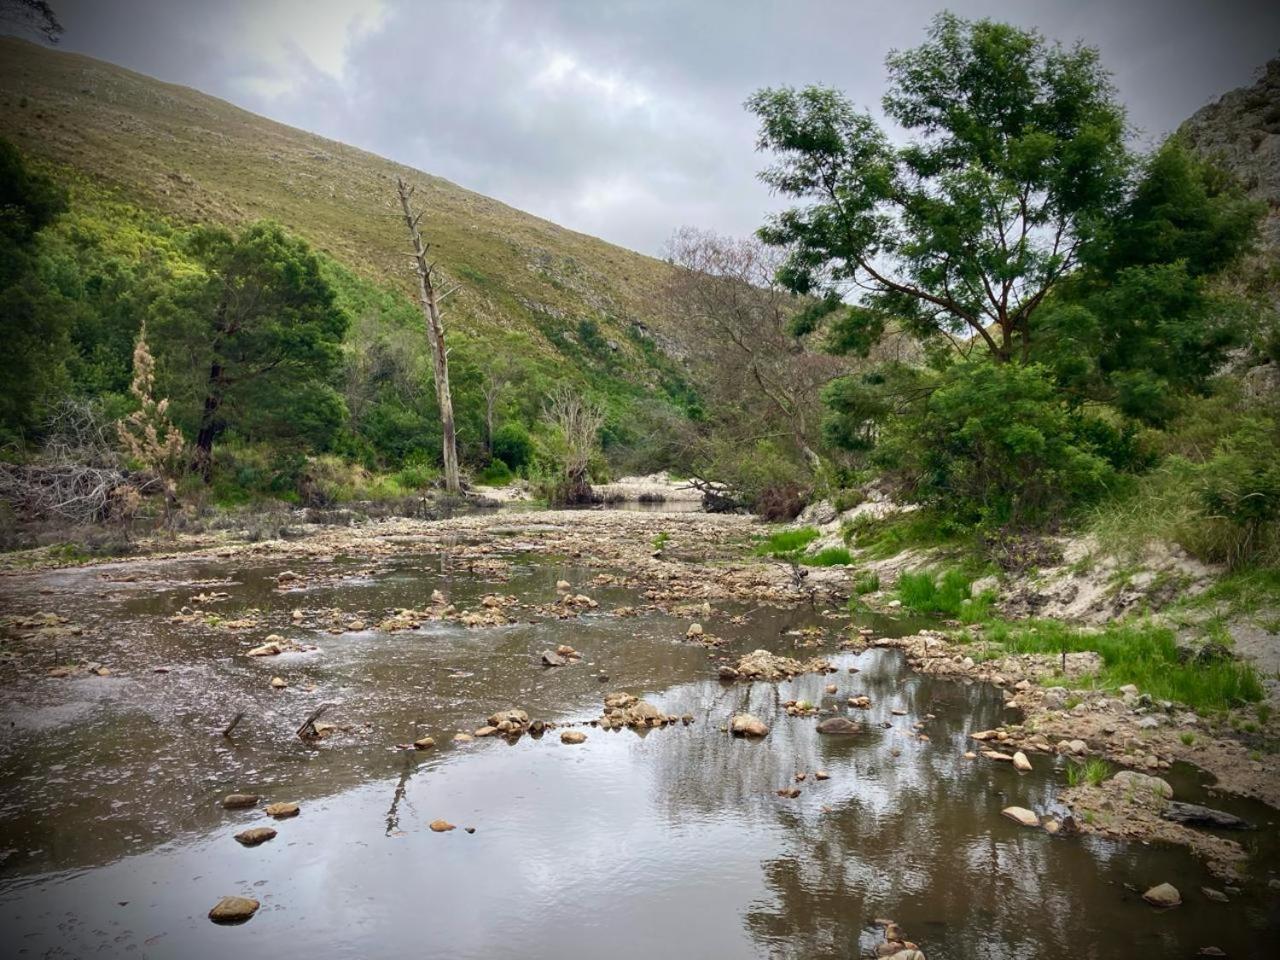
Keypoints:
pixel 441 826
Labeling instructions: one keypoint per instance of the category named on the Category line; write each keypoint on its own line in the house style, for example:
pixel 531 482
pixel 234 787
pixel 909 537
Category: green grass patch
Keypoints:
pixel 831 557
pixel 888 536
pixel 947 594
pixel 1141 654
pixel 1091 771
pixel 661 540
pixel 866 582
pixel 786 542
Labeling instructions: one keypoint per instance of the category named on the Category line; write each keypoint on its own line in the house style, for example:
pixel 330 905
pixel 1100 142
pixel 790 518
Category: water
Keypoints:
pixel 673 843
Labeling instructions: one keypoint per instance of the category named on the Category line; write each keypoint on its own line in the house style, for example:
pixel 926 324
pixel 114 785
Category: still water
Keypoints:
pixel 674 843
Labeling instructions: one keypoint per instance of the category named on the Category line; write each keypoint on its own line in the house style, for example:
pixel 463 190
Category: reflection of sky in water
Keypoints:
pixel 670 844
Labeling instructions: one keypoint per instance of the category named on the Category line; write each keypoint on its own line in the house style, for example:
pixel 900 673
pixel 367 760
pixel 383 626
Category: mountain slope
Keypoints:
pixel 195 158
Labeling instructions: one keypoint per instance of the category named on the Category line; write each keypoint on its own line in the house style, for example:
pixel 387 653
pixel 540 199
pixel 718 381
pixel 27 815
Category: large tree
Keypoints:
pixel 254 339
pixel 1014 157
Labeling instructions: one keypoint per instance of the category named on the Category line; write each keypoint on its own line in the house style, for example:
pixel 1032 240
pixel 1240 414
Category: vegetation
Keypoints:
pixel 1092 771
pixel 1141 654
pixel 785 542
pixel 949 593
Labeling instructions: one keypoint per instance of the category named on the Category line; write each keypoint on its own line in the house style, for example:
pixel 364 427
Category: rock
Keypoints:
pixel 255 835
pixel 831 688
pixel 567 652
pixel 552 659
pixel 860 703
pixel 763 665
pixel 1021 815
pixel 694 631
pixel 1163 895
pixel 746 725
pixel 462 738
pixel 239 801
pixel 486 731
pixel 789 792
pixel 268 649
pixel 424 743
pixel 1078 747
pixel 1143 783
pixel 441 826
pixel 281 811
pixel 1217 896
pixel 563 585
pixel 233 910
pixel 1020 762
pixel 278 683
pixel 573 736
pixel 355 626
pixel 1211 952
pixel 1195 815
pixel 839 725
pixel 1051 826
pixel 821 775
pixel 728 673
pixel 898 712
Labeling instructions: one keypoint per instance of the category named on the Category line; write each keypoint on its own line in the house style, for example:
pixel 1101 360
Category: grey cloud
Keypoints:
pixel 470 90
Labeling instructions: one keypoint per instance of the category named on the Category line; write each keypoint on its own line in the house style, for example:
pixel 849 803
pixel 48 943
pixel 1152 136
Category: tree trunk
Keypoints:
pixel 435 336
pixel 210 426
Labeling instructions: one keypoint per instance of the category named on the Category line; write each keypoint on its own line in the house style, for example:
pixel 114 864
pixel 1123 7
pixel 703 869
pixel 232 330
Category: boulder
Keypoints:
pixel 839 725
pixel 1021 815
pixel 746 725
pixel 233 910
pixel 255 835
pixel 1020 762
pixel 281 811
pixel 1163 895
pixel 424 743
pixel 573 736
pixel 1143 783
pixel 239 801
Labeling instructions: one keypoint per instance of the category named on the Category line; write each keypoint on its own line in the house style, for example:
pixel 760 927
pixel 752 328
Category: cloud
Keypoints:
pixel 621 119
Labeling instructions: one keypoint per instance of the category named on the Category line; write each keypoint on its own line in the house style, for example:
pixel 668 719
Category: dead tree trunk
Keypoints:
pixel 435 336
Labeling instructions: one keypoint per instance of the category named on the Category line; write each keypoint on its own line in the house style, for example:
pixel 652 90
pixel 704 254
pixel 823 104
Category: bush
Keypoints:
pixel 1239 492
pixel 496 474
pixel 513 445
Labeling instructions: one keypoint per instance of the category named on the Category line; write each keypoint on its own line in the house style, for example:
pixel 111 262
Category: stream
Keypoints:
pixel 673 842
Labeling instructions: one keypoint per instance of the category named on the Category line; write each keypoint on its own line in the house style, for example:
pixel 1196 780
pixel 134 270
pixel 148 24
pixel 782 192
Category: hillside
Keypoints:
pixel 195 158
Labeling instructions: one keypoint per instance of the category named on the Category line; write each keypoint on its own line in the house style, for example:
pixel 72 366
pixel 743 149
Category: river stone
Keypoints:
pixel 1020 762
pixel 1163 895
pixel 1217 896
pixel 746 725
pixel 255 835
pixel 278 683
pixel 1021 815
pixel 281 811
pixel 821 775
pixel 441 826
pixel 1143 783
pixel 1197 816
pixel 728 673
pixel 424 743
pixel 839 725
pixel 239 801
pixel 233 910
pixel 552 659
pixel 573 736
pixel 695 630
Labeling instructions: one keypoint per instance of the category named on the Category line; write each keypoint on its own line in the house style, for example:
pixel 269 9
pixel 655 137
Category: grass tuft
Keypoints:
pixel 786 542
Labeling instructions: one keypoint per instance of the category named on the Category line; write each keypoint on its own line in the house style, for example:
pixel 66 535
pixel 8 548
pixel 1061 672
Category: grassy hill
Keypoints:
pixel 194 158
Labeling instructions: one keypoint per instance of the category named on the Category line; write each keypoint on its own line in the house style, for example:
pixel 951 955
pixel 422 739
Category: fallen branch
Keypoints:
pixel 308 729
pixel 232 725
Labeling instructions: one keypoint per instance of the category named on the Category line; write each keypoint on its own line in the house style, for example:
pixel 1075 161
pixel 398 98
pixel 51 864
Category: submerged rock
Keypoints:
pixel 424 743
pixel 747 725
pixel 233 910
pixel 839 725
pixel 1163 895
pixel 255 835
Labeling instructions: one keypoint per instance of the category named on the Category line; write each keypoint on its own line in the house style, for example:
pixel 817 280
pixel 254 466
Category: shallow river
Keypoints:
pixel 670 844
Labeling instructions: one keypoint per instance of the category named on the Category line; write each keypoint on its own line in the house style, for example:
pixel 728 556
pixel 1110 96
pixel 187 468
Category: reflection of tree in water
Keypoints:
pixel 916 837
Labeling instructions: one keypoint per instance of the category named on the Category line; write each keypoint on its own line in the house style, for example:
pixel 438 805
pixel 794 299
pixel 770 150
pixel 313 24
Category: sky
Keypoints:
pixel 620 118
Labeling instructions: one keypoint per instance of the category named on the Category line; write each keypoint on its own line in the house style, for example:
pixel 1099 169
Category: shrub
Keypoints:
pixel 513 445
pixel 1239 491
pixel 496 474
pixel 866 582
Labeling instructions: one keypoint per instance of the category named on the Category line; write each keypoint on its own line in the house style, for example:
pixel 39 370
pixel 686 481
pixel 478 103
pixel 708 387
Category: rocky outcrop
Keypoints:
pixel 763 665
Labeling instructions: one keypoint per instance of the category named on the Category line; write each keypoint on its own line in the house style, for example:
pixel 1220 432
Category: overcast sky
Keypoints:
pixel 620 119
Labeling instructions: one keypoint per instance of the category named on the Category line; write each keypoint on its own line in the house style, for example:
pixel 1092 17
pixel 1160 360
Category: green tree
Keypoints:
pixel 254 340
pixel 34 317
pixel 1016 160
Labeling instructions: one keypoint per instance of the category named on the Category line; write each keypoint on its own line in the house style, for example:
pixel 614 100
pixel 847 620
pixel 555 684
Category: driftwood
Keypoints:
pixel 308 729
pixel 232 725
pixel 716 497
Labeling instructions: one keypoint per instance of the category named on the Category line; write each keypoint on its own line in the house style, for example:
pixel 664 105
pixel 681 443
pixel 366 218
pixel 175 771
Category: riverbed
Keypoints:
pixel 672 841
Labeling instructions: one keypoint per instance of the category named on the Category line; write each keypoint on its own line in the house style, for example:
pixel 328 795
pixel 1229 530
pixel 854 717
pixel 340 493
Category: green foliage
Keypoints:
pixel 1092 771
pixel 513 445
pixel 995 445
pixel 866 582
pixel 786 542
pixel 1239 491
pixel 830 557
pixel 1017 141
pixel 495 474
pixel 1141 654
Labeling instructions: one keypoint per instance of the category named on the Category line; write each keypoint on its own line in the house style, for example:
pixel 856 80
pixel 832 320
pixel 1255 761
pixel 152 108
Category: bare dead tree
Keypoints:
pixel 430 301
pixel 575 433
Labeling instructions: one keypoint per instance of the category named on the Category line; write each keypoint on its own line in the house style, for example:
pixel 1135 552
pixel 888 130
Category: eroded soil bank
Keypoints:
pixel 678 839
